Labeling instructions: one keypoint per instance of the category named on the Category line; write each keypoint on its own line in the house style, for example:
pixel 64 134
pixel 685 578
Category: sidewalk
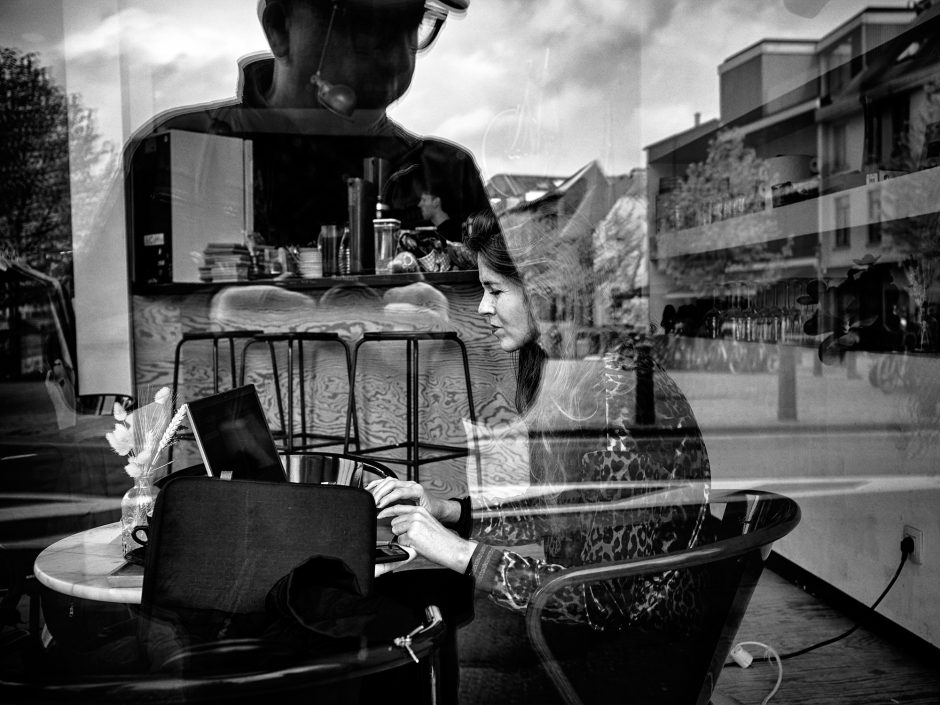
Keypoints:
pixel 748 402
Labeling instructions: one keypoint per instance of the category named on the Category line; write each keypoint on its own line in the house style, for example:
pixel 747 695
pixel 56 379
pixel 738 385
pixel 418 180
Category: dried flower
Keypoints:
pixel 142 435
pixel 121 439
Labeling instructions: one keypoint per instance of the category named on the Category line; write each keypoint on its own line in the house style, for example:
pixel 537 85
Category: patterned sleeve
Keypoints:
pixel 512 578
pixel 512 523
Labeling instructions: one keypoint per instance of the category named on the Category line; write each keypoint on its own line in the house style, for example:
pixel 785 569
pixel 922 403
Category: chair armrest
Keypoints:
pixel 759 518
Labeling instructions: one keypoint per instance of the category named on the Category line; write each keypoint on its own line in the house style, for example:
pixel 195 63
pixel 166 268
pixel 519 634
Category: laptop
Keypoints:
pixel 234 438
pixel 235 443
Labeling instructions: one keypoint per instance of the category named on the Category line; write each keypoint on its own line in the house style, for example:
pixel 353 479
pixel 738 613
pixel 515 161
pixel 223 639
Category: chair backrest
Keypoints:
pixel 221 546
pixel 744 526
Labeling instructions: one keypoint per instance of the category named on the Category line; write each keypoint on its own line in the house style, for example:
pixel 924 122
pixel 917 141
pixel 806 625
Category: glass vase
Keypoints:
pixel 136 510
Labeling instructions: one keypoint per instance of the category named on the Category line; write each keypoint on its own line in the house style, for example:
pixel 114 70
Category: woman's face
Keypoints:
pixel 504 307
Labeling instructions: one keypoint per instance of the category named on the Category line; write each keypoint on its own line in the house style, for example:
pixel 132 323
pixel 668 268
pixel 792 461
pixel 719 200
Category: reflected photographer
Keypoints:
pixel 313 114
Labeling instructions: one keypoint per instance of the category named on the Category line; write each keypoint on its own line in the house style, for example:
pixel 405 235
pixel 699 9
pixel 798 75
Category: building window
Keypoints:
pixel 843 231
pixel 840 149
pixel 874 216
pixel 931 155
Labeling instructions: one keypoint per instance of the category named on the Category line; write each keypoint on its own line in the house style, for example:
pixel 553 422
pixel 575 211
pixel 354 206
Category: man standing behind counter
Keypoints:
pixel 315 111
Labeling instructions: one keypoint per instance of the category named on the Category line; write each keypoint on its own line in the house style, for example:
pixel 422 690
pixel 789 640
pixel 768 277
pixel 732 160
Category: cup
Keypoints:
pixel 329 244
pixel 318 469
pixel 386 240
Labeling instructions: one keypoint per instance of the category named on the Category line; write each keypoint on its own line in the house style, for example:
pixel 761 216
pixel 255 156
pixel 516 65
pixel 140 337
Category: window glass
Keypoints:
pixel 596 264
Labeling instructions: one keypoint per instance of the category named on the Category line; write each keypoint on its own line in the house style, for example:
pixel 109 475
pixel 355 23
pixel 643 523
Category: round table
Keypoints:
pixel 91 565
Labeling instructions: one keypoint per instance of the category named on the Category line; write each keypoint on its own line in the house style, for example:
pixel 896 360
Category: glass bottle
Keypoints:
pixel 136 510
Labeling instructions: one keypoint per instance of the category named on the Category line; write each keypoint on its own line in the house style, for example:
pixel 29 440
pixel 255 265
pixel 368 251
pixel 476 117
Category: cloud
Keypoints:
pixel 591 79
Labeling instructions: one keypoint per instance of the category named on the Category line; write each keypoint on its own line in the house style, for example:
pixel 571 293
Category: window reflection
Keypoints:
pixel 769 237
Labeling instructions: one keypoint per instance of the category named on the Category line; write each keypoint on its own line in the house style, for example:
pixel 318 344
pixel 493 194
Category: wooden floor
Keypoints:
pixel 863 668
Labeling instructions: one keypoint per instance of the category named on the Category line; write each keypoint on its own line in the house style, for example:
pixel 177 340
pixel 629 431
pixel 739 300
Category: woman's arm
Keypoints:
pixel 415 527
pixel 389 491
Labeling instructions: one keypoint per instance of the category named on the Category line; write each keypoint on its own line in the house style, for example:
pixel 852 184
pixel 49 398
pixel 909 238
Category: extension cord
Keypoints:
pixel 744 659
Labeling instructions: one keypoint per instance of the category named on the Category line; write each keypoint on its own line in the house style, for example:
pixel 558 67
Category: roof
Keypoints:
pixel 518 185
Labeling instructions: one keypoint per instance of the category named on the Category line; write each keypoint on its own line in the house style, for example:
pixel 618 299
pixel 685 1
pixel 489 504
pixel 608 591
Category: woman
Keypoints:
pixel 589 422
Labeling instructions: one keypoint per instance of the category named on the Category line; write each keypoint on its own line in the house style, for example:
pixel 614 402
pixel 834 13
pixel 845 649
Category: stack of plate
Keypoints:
pixel 309 263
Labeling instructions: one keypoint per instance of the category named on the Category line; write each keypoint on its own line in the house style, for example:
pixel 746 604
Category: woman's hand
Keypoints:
pixel 416 528
pixel 389 491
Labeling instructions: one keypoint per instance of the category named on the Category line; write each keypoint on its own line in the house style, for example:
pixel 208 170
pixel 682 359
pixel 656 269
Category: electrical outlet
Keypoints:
pixel 917 535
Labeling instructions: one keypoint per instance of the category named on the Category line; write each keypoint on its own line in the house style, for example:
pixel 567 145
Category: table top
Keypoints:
pixel 91 565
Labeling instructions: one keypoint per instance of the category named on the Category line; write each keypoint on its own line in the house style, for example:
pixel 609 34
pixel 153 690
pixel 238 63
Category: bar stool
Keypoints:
pixel 215 337
pixel 412 443
pixel 290 339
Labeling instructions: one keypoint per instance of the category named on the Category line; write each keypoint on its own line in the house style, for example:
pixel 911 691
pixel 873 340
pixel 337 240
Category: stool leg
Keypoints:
pixel 351 419
pixel 277 386
pixel 412 411
pixel 303 403
pixel 215 365
pixel 231 353
pixel 175 398
pixel 290 396
pixel 241 374
pixel 473 415
pixel 355 422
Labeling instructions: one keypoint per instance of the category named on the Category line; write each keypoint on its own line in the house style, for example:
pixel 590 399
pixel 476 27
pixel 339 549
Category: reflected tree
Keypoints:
pixel 620 261
pixel 918 236
pixel 710 201
pixel 49 146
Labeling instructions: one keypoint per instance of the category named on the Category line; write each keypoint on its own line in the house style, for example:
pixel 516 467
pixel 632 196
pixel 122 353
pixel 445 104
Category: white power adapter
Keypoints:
pixel 741 656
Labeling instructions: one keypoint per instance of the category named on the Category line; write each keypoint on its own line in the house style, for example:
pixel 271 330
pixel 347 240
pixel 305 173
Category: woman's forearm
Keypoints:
pixel 446 511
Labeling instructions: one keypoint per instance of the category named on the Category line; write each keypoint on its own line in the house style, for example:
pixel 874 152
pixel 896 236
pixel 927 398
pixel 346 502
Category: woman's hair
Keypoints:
pixel 555 392
pixel 484 238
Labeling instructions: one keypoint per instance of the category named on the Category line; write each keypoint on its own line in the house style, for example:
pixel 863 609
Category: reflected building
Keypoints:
pixel 842 135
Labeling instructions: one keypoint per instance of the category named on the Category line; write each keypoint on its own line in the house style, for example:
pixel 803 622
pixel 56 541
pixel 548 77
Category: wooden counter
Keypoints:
pixel 348 306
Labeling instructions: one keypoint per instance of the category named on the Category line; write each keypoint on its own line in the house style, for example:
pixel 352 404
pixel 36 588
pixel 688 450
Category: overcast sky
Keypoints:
pixel 529 86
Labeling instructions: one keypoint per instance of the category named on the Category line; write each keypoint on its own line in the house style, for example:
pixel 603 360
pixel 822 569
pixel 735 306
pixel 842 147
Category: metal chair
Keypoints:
pixel 746 524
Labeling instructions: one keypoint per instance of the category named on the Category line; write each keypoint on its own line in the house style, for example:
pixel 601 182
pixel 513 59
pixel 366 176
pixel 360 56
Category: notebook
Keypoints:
pixel 235 442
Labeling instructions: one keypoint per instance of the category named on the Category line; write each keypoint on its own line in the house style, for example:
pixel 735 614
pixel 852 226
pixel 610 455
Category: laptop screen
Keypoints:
pixel 234 437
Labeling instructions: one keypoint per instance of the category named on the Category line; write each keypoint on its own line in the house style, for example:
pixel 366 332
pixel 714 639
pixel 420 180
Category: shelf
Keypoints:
pixel 380 281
